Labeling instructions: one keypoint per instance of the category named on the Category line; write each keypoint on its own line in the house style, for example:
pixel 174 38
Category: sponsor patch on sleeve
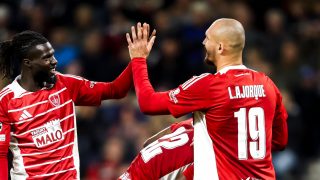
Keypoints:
pixel 2 137
pixel 172 95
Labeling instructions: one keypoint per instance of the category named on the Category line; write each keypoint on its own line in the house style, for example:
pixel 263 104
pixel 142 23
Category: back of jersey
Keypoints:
pixel 239 124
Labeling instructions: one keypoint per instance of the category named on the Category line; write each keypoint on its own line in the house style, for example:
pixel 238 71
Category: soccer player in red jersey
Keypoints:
pixel 239 117
pixel 37 110
pixel 165 156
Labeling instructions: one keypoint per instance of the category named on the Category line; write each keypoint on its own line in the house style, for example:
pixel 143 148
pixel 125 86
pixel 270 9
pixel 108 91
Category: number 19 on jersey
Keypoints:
pixel 257 133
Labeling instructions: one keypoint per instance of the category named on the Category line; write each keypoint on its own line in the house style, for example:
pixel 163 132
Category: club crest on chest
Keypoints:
pixel 54 99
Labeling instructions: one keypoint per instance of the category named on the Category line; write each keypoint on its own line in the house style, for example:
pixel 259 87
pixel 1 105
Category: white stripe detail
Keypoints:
pixel 70 115
pixel 204 156
pixel 27 144
pixel 18 171
pixel 23 94
pixel 58 172
pixel 52 109
pixel 175 174
pixel 45 152
pixel 72 76
pixel 72 129
pixel 26 107
pixel 38 103
pixel 195 80
pixel 21 144
pixel 187 82
pixel 226 69
pixel 75 150
pixel 50 162
pixel 4 91
pixel 3 95
pixel 27 113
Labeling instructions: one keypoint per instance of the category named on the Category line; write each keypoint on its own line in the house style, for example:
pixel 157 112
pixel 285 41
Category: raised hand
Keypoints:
pixel 140 44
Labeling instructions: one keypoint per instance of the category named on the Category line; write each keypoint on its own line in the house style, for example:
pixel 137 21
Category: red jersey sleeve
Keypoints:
pixel 190 96
pixel 4 142
pixel 279 127
pixel 193 95
pixel 88 93
pixel 150 102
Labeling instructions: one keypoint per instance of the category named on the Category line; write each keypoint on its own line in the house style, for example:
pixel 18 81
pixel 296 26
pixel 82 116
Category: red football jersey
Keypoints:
pixel 236 112
pixel 43 136
pixel 166 157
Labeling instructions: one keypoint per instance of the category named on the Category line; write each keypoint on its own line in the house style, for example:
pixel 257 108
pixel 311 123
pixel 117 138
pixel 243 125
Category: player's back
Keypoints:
pixel 165 158
pixel 239 123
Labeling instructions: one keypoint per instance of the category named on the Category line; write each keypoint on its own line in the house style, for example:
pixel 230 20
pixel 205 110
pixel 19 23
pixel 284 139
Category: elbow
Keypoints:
pixel 279 146
pixel 121 95
pixel 145 107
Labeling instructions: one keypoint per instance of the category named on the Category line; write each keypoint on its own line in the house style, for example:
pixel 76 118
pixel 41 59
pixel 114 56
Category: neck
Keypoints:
pixel 28 83
pixel 226 61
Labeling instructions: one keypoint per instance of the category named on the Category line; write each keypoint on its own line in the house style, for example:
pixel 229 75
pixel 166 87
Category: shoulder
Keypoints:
pixel 8 92
pixel 196 81
pixel 71 77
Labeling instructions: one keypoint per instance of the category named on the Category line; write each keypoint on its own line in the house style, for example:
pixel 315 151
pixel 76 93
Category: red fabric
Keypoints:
pixel 279 128
pixel 4 144
pixel 163 156
pixel 188 173
pixel 43 124
pixel 221 97
pixel 150 102
pixel 87 92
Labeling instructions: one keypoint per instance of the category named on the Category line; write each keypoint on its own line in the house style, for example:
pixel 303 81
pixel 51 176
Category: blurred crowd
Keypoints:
pixel 282 40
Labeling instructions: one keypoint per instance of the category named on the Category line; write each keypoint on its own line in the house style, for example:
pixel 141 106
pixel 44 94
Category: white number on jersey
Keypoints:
pixel 169 141
pixel 256 125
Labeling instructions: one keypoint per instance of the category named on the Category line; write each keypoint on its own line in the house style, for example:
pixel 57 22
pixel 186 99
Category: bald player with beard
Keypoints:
pixel 239 117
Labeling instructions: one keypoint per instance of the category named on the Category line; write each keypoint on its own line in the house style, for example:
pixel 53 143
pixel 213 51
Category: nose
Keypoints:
pixel 53 61
pixel 204 42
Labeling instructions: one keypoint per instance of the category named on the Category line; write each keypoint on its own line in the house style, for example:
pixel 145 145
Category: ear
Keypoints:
pixel 26 62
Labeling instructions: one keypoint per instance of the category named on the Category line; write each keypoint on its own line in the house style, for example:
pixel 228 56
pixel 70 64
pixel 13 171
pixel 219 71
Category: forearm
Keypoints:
pixel 120 87
pixel 150 102
pixel 280 136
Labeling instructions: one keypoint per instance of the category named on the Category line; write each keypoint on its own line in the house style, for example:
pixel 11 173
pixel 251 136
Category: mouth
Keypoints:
pixel 53 69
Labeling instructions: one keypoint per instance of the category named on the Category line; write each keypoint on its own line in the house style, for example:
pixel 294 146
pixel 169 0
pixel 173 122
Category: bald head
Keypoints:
pixel 228 32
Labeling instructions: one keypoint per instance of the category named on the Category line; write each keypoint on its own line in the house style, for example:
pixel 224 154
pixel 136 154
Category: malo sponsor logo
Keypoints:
pixel 47 134
pixel 54 99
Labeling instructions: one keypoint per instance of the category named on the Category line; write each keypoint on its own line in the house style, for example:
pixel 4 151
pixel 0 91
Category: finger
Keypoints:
pixel 151 42
pixel 133 34
pixel 139 29
pixel 154 32
pixel 148 29
pixel 145 32
pixel 128 39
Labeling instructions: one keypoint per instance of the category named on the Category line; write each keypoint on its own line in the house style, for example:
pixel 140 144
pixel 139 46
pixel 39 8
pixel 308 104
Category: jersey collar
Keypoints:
pixel 16 88
pixel 226 69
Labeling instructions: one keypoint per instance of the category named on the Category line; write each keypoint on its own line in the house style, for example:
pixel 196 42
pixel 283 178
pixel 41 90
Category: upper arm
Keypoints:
pixel 4 132
pixel 193 95
pixel 85 92
pixel 279 127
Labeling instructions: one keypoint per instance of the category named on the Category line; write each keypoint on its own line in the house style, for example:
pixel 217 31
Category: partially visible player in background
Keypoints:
pixel 238 115
pixel 37 110
pixel 165 156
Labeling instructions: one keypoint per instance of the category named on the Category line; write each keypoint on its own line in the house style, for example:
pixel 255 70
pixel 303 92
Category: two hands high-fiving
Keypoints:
pixel 140 43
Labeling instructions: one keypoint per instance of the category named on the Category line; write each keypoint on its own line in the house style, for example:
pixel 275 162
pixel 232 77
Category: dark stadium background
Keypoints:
pixel 282 40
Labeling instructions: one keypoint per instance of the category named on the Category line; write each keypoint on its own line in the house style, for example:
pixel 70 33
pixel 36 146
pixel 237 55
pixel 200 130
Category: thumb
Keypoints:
pixel 151 42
